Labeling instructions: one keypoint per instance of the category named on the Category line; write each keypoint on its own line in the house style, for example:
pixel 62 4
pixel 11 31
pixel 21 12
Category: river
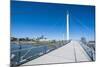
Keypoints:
pixel 21 53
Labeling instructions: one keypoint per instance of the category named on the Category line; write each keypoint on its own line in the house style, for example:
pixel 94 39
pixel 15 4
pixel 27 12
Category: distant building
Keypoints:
pixel 43 40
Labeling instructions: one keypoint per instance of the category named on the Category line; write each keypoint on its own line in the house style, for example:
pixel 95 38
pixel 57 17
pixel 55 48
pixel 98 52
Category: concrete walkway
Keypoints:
pixel 72 52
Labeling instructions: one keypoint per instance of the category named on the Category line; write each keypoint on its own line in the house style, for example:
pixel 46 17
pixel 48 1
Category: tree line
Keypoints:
pixel 28 39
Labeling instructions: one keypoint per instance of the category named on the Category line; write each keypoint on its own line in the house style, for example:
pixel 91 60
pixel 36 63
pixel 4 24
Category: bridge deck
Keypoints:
pixel 72 52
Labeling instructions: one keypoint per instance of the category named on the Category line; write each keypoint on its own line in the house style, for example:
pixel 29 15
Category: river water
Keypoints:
pixel 21 53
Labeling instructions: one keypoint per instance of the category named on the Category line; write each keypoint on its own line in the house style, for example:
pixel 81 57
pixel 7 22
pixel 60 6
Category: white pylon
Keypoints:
pixel 67 22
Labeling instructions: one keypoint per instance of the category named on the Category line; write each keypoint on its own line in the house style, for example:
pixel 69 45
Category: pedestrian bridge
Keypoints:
pixel 69 53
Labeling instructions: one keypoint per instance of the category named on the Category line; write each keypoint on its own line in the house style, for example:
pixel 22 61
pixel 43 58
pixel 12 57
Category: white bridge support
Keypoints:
pixel 71 52
pixel 67 26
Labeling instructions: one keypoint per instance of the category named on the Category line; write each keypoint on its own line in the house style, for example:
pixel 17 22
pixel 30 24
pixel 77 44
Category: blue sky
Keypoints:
pixel 33 19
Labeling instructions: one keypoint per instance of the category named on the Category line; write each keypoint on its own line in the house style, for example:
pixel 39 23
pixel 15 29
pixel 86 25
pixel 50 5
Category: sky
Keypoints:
pixel 33 19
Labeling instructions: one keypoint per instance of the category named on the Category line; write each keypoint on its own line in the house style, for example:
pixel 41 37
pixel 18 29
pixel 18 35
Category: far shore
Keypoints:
pixel 23 42
pixel 49 43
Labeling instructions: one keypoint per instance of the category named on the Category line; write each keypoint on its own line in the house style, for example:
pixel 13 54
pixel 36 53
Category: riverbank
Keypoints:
pixel 39 42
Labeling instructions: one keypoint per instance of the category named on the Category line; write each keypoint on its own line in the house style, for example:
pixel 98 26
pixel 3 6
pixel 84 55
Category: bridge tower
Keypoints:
pixel 67 25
